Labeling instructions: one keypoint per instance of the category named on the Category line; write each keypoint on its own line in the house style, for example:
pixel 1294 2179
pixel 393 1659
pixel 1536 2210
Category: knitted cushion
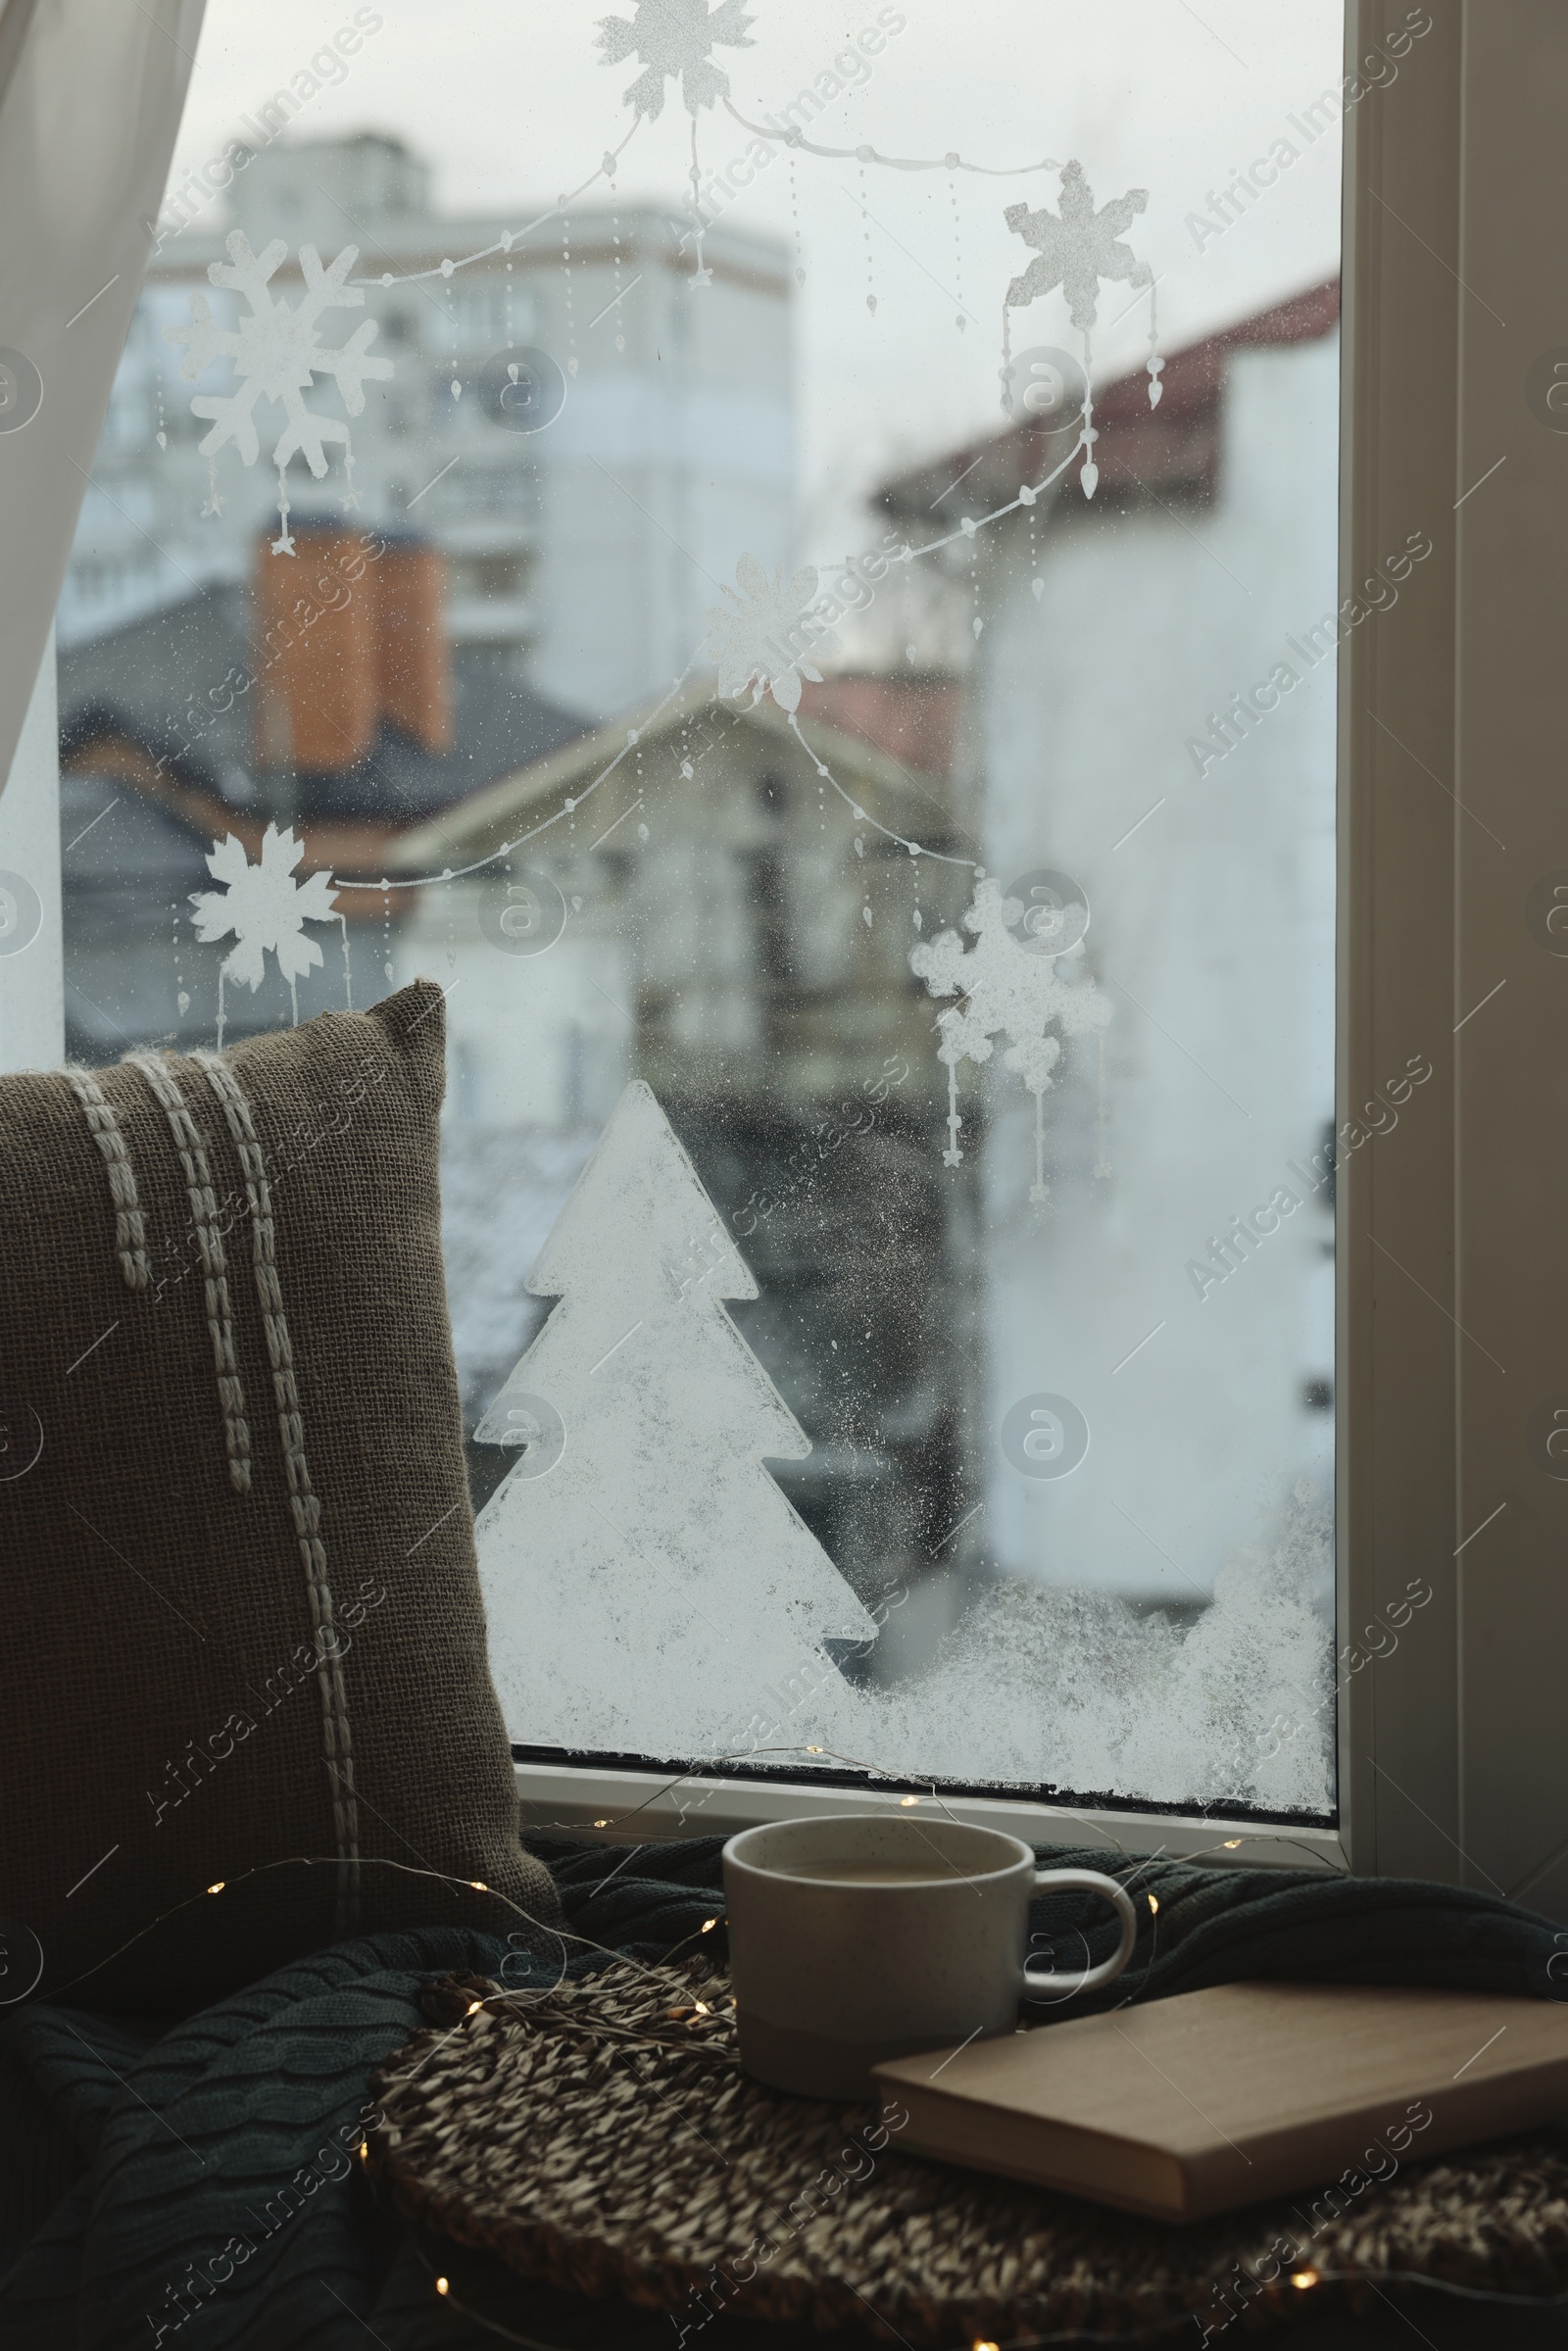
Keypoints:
pixel 243 1640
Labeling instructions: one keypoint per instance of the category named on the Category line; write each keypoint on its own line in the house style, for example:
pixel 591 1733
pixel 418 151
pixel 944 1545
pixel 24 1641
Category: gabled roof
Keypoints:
pixel 530 793
pixel 96 859
pixel 1172 450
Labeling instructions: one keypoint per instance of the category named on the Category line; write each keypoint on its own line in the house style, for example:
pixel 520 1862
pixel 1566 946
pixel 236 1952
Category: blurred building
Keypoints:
pixel 1117 639
pixel 341 712
pixel 578 550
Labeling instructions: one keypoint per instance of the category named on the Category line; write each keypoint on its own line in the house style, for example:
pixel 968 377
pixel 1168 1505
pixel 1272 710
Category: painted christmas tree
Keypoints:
pixel 649 1588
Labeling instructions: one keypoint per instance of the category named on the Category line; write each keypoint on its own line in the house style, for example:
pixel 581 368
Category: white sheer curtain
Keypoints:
pixel 90 100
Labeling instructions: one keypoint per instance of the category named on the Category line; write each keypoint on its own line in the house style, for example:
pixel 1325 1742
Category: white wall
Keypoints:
pixel 1216 917
pixel 664 469
pixel 531 1040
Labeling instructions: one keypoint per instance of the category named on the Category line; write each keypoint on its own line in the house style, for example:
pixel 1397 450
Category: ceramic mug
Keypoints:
pixel 876 1934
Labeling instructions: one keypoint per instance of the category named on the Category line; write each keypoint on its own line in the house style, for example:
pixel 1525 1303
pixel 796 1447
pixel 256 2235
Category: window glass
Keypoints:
pixel 789 558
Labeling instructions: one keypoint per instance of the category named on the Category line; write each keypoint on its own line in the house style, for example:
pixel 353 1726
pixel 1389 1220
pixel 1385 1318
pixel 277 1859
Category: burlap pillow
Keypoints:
pixel 242 1626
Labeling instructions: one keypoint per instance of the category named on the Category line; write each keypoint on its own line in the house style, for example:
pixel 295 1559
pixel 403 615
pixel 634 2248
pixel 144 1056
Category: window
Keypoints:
pixel 902 658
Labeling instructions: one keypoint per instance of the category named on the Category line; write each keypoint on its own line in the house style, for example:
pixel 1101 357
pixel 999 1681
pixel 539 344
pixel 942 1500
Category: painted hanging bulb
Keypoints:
pixel 866 232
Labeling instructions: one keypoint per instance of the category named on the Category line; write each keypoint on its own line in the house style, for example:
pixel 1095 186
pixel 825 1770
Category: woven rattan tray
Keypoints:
pixel 603 2137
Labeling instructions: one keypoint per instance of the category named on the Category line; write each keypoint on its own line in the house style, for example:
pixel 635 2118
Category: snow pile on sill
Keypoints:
pixel 1081 1691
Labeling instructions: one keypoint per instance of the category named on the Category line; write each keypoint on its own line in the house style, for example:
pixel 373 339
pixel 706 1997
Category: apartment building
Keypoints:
pixel 582 536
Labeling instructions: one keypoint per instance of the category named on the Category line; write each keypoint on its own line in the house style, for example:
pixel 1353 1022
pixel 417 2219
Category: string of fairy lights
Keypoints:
pixel 694 1774
pixel 1306 2279
pixel 1301 2278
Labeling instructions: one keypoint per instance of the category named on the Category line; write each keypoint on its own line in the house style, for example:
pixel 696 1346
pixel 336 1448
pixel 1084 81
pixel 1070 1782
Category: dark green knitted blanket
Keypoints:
pixel 195 2186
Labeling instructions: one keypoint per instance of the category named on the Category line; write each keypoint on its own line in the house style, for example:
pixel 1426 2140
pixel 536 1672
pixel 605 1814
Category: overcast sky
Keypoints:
pixel 511 102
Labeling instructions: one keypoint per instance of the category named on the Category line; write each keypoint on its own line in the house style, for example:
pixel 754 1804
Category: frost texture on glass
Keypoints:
pixel 643 1572
pixel 1083 1692
pixel 654 1575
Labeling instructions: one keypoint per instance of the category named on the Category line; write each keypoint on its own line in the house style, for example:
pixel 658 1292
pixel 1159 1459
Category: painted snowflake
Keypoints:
pixel 764 637
pixel 1077 248
pixel 266 908
pixel 277 355
pixel 674 39
pixel 1005 991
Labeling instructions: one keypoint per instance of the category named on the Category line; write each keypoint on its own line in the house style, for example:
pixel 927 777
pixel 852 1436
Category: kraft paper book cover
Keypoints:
pixel 1194 2105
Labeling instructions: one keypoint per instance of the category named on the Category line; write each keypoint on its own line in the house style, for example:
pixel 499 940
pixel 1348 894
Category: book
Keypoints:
pixel 1185 2107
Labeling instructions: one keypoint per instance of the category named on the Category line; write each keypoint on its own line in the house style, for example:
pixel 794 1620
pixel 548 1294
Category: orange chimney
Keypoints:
pixel 350 631
pixel 416 668
pixel 316 670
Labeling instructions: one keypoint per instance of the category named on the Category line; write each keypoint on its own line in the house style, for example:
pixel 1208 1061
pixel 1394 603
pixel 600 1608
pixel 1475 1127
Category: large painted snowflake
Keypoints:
pixel 675 40
pixel 764 637
pixel 277 353
pixel 1077 248
pixel 1005 991
pixel 266 908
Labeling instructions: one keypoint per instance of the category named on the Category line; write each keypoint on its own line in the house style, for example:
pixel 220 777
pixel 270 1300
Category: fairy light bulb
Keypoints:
pixel 218 1888
pixel 443 2286
pixel 708 1925
pixel 1304 2278
pixel 1230 1843
pixel 906 1801
pixel 480 1886
pixel 475 2007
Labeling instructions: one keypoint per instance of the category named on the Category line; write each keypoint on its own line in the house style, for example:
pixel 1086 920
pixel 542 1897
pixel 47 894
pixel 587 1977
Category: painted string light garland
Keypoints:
pixel 788 663
pixel 673 40
pixel 758 638
pixel 694 1774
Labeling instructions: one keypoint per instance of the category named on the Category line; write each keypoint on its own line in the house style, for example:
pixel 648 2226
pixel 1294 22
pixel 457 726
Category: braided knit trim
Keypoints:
pixel 214 1265
pixel 130 1227
pixel 302 1498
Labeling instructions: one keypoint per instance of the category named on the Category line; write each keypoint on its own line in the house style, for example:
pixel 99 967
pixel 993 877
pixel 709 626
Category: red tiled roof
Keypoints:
pixel 1172 448
pixel 910 719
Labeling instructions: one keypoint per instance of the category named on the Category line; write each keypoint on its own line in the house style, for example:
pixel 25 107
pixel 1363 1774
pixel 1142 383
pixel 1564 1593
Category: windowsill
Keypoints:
pixel 644 1807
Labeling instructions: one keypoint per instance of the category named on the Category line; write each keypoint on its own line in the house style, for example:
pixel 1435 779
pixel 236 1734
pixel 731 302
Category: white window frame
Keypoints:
pixel 1453 1746
pixel 1452 1749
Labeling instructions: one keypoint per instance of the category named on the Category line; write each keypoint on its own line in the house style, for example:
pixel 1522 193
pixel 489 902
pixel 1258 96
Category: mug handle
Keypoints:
pixel 1040 1986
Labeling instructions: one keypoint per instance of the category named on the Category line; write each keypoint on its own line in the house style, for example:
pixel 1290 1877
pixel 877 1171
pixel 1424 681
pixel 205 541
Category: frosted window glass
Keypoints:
pixel 791 562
